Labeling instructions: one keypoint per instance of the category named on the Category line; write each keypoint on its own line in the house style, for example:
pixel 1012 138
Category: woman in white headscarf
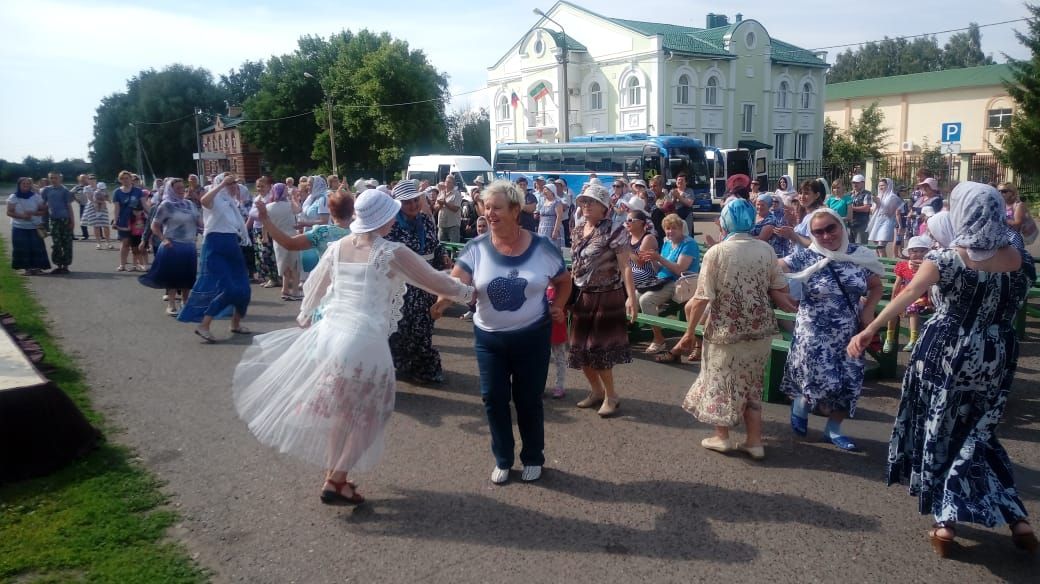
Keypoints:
pixel 785 190
pixel 940 228
pixel 841 286
pixel 944 441
pixel 316 206
pixel 882 228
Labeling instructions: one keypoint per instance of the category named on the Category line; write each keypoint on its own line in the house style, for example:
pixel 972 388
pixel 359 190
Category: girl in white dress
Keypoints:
pixel 324 393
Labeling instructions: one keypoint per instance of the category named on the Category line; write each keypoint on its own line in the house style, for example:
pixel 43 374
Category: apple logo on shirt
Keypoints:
pixel 507 294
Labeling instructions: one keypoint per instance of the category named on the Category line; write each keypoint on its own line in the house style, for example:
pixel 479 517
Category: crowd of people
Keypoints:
pixel 370 261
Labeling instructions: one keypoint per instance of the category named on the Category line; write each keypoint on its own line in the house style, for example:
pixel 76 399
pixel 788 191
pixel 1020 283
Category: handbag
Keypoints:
pixel 41 230
pixel 875 345
pixel 685 287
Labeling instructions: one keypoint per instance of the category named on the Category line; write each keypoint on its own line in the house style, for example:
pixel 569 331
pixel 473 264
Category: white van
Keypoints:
pixel 435 167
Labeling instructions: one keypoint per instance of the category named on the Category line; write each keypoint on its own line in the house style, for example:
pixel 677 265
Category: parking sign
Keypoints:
pixel 951 132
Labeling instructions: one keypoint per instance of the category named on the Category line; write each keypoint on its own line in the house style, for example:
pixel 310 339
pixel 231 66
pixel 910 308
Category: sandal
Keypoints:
pixel 121 268
pixel 668 357
pixel 943 546
pixel 695 354
pixel 337 498
pixel 1024 541
pixel 241 331
pixel 207 336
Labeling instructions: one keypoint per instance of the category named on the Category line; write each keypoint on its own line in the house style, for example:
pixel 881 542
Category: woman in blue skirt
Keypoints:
pixel 175 225
pixel 222 287
pixel 26 210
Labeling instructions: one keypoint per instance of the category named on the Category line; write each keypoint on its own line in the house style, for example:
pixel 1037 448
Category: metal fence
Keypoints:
pixel 814 169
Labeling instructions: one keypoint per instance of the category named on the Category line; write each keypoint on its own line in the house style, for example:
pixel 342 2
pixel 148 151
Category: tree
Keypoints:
pixel 239 85
pixel 469 132
pixel 1019 146
pixel 865 138
pixel 899 56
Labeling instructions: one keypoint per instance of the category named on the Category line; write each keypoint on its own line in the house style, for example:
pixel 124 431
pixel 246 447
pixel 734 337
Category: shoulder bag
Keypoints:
pixel 875 345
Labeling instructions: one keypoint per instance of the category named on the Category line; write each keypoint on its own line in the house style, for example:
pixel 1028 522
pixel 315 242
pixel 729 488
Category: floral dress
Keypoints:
pixel 599 328
pixel 944 441
pixel 412 344
pixel 735 278
pixel 818 368
pixel 779 244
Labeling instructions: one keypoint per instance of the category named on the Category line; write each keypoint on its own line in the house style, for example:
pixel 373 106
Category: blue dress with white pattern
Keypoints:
pixel 955 389
pixel 818 368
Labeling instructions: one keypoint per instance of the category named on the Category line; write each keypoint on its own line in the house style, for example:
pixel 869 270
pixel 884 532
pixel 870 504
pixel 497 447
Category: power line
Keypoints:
pixel 162 123
pixel 926 34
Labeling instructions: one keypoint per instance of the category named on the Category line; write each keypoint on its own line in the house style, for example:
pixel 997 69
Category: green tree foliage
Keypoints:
pixel 364 75
pixel 900 56
pixel 1021 142
pixel 158 107
pixel 35 168
pixel 469 132
pixel 242 83
pixel 865 138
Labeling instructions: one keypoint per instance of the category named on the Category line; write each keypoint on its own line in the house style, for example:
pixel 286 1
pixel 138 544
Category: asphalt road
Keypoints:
pixel 629 499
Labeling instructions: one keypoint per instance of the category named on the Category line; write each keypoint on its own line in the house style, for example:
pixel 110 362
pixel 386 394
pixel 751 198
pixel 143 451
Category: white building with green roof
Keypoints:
pixel 917 106
pixel 724 84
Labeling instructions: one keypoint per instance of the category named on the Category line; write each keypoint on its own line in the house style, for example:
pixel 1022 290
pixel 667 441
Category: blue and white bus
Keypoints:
pixel 610 156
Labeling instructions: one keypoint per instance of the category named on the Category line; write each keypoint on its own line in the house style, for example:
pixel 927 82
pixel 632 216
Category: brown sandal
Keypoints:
pixel 668 357
pixel 1024 541
pixel 695 354
pixel 943 546
pixel 337 498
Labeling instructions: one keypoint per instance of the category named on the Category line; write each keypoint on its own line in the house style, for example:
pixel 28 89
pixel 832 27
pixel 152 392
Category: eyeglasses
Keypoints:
pixel 631 219
pixel 828 230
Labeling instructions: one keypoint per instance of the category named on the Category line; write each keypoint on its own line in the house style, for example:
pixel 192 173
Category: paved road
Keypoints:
pixel 623 500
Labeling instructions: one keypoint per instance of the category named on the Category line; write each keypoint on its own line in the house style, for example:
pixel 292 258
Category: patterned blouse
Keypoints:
pixel 178 220
pixel 595 261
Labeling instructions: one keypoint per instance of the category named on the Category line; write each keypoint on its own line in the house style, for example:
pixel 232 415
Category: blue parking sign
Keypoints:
pixel 951 132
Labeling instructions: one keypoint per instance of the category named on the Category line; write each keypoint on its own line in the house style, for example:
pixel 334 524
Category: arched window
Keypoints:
pixel 503 108
pixel 807 95
pixel 633 92
pixel 783 95
pixel 682 90
pixel 595 96
pixel 711 91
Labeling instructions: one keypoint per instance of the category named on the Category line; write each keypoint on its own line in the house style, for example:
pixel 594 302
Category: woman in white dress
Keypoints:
pixel 324 393
pixel 882 227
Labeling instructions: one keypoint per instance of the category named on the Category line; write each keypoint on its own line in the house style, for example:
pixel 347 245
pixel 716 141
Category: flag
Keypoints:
pixel 514 100
pixel 539 91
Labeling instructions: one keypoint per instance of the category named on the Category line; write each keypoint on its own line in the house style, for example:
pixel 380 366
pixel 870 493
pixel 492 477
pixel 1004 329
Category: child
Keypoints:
pixel 482 227
pixel 558 340
pixel 915 250
pixel 96 215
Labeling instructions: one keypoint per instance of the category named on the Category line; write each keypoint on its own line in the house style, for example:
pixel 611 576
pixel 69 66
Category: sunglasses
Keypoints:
pixel 619 186
pixel 631 219
pixel 828 230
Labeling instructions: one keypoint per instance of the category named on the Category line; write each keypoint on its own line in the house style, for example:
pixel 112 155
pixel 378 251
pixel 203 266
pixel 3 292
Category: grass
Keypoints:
pixel 101 518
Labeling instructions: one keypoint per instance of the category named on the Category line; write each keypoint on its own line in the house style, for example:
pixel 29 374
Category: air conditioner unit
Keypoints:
pixel 574 92
pixel 907 146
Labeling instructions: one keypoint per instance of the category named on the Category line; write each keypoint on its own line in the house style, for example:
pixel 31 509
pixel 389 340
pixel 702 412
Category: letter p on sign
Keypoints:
pixel 951 132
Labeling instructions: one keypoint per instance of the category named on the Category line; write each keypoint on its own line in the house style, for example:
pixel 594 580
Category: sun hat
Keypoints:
pixel 596 193
pixel 102 186
pixel 635 204
pixel 931 182
pixel 859 178
pixel 372 210
pixel 638 183
pixel 916 242
pixel 551 187
pixel 405 191
pixel 359 185
pixel 371 183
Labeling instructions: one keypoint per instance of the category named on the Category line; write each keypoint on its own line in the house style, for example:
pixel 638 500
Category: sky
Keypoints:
pixel 61 57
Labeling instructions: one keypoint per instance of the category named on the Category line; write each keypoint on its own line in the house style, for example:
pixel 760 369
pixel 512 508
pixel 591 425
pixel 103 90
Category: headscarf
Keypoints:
pixel 941 228
pixel 278 192
pixel 738 216
pixel 169 194
pixel 861 256
pixel 319 186
pixel 18 192
pixel 977 213
pixel 767 199
pixel 790 186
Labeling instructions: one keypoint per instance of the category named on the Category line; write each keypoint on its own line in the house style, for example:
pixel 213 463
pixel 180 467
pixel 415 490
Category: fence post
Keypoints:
pixel 964 172
pixel 1009 175
pixel 792 169
pixel 870 173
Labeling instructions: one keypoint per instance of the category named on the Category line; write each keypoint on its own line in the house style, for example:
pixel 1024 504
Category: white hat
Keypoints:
pixel 405 191
pixel 858 178
pixel 597 193
pixel 551 187
pixel 359 185
pixel 371 183
pixel 931 182
pixel 638 183
pixel 635 203
pixel 373 210
pixel 917 242
pixel 101 186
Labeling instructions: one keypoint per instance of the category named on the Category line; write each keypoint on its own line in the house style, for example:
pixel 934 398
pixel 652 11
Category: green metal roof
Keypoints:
pixel 229 122
pixel 985 75
pixel 572 45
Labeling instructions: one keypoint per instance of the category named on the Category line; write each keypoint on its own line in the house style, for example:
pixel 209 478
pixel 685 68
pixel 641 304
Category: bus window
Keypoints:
pixel 651 167
pixel 526 160
pixel 505 159
pixel 549 159
pixel 574 158
pixel 619 161
pixel 598 160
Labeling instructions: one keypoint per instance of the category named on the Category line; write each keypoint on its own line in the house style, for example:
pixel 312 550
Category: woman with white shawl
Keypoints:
pixel 882 227
pixel 841 286
pixel 785 190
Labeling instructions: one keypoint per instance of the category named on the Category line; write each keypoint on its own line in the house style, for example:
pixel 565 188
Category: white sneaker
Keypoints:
pixel 531 473
pixel 499 476
pixel 467 316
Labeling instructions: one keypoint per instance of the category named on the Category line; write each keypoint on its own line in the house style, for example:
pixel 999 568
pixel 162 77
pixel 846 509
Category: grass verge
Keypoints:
pixel 101 518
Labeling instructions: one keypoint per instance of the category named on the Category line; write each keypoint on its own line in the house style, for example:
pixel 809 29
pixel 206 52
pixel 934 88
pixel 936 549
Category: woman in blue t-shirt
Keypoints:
pixel 680 253
pixel 511 268
pixel 129 206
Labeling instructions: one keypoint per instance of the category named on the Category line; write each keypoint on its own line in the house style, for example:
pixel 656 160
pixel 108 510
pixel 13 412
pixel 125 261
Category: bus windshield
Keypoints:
pixel 691 161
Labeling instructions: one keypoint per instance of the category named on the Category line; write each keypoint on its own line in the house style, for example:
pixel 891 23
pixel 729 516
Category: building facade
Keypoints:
pixel 726 83
pixel 917 106
pixel 224 151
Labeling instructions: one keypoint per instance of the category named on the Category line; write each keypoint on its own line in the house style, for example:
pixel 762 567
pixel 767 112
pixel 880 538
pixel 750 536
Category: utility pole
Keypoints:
pixel 140 165
pixel 332 133
pixel 198 147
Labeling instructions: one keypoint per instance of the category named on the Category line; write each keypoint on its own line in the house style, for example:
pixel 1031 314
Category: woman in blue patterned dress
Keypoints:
pixel 551 211
pixel 944 441
pixel 766 223
pixel 835 276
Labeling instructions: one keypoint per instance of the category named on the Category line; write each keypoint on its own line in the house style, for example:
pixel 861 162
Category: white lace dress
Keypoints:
pixel 325 393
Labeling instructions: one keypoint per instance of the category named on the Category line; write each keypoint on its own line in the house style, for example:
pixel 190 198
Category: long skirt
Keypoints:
pixel 322 394
pixel 61 242
pixel 599 331
pixel 730 382
pixel 412 345
pixel 266 265
pixel 174 267
pixel 222 283
pixel 28 251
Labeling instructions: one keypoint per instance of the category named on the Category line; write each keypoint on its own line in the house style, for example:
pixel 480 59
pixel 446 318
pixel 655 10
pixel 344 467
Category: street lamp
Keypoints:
pixel 566 131
pixel 332 133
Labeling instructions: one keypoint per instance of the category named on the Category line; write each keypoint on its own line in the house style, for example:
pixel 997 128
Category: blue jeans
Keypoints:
pixel 513 365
